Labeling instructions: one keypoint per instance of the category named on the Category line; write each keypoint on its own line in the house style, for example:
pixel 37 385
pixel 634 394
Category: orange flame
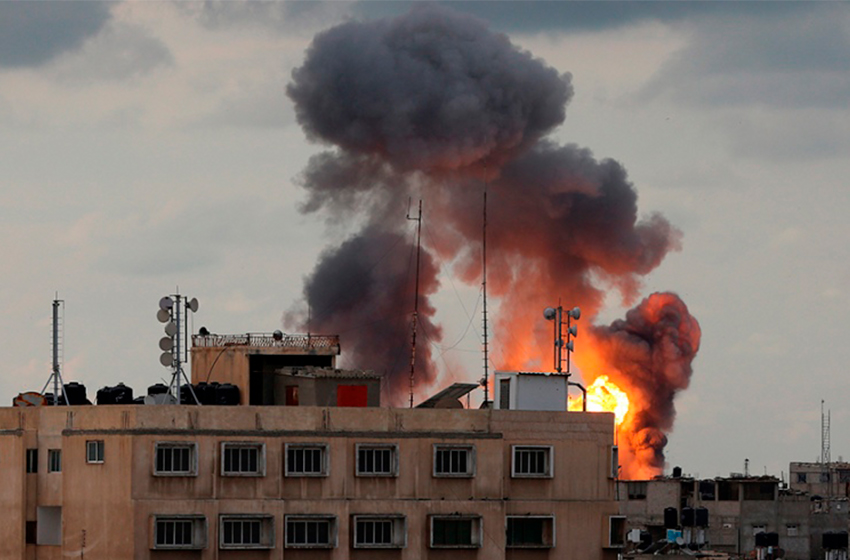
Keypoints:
pixel 604 396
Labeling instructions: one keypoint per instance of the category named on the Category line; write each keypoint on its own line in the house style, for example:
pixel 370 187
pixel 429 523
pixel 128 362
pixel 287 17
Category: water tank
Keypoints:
pixel 186 397
pixel 206 392
pixel 75 393
pixel 767 539
pixel 139 400
pixel 123 394
pixel 158 389
pixel 688 517
pixel 701 517
pixel 677 472
pixel 835 540
pixel 671 518
pixel 227 394
pixel 105 396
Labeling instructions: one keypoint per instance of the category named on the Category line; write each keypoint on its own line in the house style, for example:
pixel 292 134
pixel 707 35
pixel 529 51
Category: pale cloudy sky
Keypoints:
pixel 150 145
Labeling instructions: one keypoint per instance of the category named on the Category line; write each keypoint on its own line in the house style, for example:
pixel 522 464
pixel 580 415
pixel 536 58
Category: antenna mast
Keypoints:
pixel 418 221
pixel 56 373
pixel 824 450
pixel 484 289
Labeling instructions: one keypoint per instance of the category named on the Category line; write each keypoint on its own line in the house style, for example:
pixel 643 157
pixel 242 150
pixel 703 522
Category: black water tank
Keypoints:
pixel 122 394
pixel 158 389
pixel 106 396
pixel 76 393
pixel 227 394
pixel 767 539
pixel 677 472
pixel 688 517
pixel 139 400
pixel 701 517
pixel 205 392
pixel 835 540
pixel 48 399
pixel 671 518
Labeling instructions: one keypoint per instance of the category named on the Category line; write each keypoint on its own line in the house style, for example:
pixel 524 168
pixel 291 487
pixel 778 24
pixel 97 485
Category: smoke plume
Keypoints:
pixel 433 104
pixel 648 355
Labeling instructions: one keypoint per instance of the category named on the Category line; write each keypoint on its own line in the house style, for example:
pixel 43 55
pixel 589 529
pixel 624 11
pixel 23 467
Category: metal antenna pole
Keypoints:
pixel 56 372
pixel 484 288
pixel 418 221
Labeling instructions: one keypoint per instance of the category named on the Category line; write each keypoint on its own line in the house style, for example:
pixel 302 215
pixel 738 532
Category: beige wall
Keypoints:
pixel 114 501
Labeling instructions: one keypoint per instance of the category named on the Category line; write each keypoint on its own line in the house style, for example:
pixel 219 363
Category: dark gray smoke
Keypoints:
pixel 431 104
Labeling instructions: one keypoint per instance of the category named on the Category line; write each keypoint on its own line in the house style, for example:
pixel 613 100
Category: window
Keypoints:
pixel 376 459
pixel 801 477
pixel 94 451
pixel 615 462
pixel 176 458
pixel 616 531
pixel 454 460
pixel 179 532
pixel 31 532
pixel 792 530
pixel 505 394
pixel 32 460
pixel 54 460
pixel 759 529
pixel 636 490
pixel 531 461
pixel 292 395
pixel 532 531
pixel 380 531
pixel 247 531
pixel 824 477
pixel 455 531
pixel 306 459
pixel 243 459
pixel 310 531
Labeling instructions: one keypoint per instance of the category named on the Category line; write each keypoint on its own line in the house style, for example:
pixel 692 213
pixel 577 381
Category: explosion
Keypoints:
pixel 434 105
pixel 603 396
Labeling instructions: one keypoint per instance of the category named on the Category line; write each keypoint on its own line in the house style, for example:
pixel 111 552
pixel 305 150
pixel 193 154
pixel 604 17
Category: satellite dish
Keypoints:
pixel 166 344
pixel 166 303
pixel 163 315
pixel 549 313
pixel 680 541
pixel 166 359
pixel 30 398
pixel 161 398
pixel 573 330
pixel 193 305
pixel 575 313
pixel 170 329
pixel 569 346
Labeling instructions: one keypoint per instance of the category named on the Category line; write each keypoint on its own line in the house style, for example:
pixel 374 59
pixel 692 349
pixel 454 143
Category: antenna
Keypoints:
pixel 56 373
pixel 418 221
pixel 484 289
pixel 173 311
pixel 825 453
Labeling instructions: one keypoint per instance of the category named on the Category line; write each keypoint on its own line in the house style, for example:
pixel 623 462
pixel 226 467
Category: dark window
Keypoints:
pixel 532 461
pixel 529 532
pixel 376 460
pixel 801 477
pixel 449 532
pixel 241 531
pixel 453 461
pixel 243 459
pixel 179 532
pixel 54 460
pixel 706 490
pixel 310 532
pixel 824 477
pixel 32 460
pixel 292 395
pixel 636 490
pixel 374 532
pixel 306 460
pixel 505 394
pixel 94 451
pixel 32 532
pixel 175 458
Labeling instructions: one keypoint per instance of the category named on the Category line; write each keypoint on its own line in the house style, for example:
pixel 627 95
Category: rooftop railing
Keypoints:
pixel 304 342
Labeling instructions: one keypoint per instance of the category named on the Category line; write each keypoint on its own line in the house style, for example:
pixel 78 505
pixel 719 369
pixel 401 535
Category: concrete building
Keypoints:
pixel 301 482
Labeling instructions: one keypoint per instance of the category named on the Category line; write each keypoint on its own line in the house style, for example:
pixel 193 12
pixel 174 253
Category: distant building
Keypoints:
pixel 269 479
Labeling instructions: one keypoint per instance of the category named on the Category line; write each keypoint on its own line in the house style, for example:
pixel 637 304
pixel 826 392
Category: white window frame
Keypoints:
pixel 261 458
pixel 199 531
pixel 616 521
pixel 95 451
pixel 325 459
pixel 192 446
pixel 549 460
pixel 266 531
pixel 366 447
pixel 54 460
pixel 333 530
pixel 546 518
pixel 470 460
pixel 476 532
pixel 398 528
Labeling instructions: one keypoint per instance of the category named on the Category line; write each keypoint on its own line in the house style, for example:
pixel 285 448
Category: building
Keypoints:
pixel 299 482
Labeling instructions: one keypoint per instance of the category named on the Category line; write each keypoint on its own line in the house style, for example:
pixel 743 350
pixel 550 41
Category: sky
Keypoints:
pixel 150 146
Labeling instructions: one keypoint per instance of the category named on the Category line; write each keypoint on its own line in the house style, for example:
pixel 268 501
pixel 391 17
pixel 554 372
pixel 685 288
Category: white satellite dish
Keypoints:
pixel 163 315
pixel 166 359
pixel 170 329
pixel 166 344
pixel 193 305
pixel 166 303
pixel 549 313
pixel 161 398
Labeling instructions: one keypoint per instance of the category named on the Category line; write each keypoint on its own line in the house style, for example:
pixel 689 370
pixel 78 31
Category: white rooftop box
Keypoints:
pixel 519 390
